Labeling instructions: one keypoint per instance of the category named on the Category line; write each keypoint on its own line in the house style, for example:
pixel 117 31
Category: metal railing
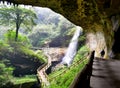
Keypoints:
pixel 67 69
pixel 82 80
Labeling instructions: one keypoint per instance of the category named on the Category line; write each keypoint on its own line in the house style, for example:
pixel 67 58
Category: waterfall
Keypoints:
pixel 72 48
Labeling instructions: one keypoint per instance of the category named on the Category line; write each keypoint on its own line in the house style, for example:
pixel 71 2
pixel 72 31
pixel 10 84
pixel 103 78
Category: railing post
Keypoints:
pixel 91 62
pixel 89 68
pixel 82 80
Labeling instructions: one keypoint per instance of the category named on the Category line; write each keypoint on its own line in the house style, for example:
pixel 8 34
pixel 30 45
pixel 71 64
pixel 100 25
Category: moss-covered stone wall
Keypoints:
pixel 93 15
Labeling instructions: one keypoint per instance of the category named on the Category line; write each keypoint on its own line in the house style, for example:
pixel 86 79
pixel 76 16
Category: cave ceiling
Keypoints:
pixel 77 11
pixel 93 15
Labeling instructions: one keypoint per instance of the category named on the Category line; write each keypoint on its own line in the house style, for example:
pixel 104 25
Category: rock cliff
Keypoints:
pixel 99 18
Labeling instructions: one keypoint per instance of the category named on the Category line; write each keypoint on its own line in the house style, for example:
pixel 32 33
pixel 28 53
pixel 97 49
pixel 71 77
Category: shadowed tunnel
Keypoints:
pixel 116 46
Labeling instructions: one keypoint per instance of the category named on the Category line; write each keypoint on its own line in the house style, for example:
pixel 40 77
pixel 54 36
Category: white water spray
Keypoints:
pixel 72 48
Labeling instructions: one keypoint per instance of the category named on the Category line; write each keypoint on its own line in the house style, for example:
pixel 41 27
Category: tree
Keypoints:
pixel 18 16
pixel 10 35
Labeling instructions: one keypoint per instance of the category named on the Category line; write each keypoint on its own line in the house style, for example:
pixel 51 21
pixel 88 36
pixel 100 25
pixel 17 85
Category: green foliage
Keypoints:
pixel 68 74
pixel 21 80
pixel 17 16
pixel 49 29
pixel 3 45
pixel 22 39
pixel 7 49
pixel 7 79
pixel 64 81
pixel 40 34
pixel 20 47
pixel 5 74
pixel 9 15
pixel 70 32
pixel 82 38
pixel 31 54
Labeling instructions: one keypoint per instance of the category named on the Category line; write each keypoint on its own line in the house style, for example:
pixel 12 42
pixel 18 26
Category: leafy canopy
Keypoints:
pixel 17 17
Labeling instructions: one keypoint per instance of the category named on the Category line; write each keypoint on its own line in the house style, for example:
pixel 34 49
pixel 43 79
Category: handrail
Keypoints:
pixel 43 65
pixel 64 71
pixel 82 80
pixel 46 66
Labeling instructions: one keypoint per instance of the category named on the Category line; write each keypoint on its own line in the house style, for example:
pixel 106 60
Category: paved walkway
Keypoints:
pixel 42 74
pixel 106 74
pixel 51 53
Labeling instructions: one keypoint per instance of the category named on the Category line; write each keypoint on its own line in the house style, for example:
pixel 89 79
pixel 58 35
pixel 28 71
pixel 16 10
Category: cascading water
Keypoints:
pixel 72 48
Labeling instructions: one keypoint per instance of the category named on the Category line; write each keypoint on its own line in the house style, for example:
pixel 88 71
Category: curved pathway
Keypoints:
pixel 52 54
pixel 106 74
pixel 42 74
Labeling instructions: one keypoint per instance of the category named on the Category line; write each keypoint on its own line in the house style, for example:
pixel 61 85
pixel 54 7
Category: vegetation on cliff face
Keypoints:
pixel 22 62
pixel 94 16
pixel 5 74
pixel 59 78
pixel 17 16
pixel 17 60
pixel 47 28
pixel 51 27
pixel 86 13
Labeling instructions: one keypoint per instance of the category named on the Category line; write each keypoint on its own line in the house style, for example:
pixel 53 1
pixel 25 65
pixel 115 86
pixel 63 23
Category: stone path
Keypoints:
pixel 106 74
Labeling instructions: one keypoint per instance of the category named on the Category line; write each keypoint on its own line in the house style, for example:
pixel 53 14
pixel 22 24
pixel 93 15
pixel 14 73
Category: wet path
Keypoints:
pixel 106 74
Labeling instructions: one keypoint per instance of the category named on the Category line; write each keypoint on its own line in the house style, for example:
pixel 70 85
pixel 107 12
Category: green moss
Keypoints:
pixel 25 79
pixel 64 80
pixel 31 54
pixel 6 52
